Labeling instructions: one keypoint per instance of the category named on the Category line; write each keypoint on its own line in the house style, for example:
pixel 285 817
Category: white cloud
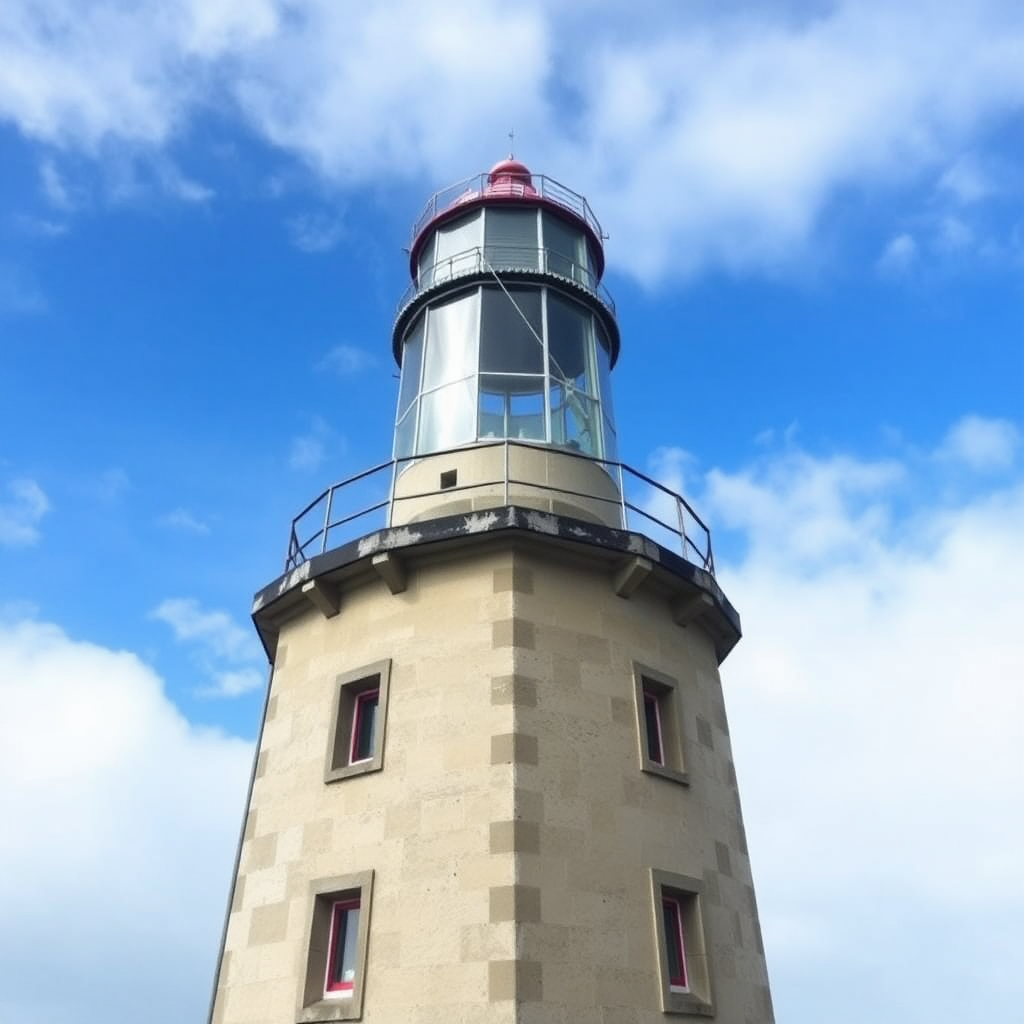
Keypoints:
pixel 347 359
pixel 876 710
pixel 123 822
pixel 966 181
pixel 214 631
pixel 183 520
pixel 21 512
pixel 235 683
pixel 741 123
pixel 981 444
pixel 56 192
pixel 899 255
pixel 315 232
pixel 802 511
pixel 308 451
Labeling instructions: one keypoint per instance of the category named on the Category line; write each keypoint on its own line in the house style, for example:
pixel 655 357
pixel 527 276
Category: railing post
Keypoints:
pixel 622 499
pixel 506 472
pixel 391 493
pixel 682 527
pixel 327 519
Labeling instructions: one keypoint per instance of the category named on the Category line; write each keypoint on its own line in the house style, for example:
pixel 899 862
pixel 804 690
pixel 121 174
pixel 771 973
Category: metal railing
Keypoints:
pixel 497 258
pixel 342 512
pixel 479 186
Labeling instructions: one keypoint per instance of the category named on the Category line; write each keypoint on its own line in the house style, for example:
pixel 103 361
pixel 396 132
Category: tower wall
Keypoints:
pixel 429 824
pixel 512 831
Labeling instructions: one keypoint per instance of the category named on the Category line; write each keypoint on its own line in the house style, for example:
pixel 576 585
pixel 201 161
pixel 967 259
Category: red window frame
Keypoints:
pixel 357 721
pixel 673 915
pixel 338 924
pixel 651 699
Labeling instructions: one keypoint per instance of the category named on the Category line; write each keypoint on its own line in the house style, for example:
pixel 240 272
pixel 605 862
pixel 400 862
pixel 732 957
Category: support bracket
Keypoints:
pixel 391 570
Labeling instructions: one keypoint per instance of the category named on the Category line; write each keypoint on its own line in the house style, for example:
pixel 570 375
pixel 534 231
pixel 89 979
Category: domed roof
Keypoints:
pixel 510 178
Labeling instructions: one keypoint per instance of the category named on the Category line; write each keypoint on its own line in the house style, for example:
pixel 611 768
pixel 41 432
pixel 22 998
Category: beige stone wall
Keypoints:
pixel 511 831
pixel 433 824
pixel 602 823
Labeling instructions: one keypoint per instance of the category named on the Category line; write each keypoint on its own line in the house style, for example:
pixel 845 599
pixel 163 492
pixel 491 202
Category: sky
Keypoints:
pixel 815 215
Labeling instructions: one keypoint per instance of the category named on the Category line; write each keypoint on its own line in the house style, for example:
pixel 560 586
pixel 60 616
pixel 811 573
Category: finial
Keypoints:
pixel 511 143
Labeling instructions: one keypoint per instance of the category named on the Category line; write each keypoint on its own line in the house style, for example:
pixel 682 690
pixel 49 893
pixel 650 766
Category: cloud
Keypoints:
pixel 966 181
pixel 804 511
pixel 308 451
pixel 899 255
pixel 875 708
pixel 227 654
pixel 235 683
pixel 214 631
pixel 347 359
pixel 743 123
pixel 183 520
pixel 981 444
pixel 126 822
pixel 52 184
pixel 21 512
pixel 315 232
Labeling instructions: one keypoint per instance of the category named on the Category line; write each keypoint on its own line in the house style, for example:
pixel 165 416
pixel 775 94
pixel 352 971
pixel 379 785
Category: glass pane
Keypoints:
pixel 564 245
pixel 412 360
pixel 405 433
pixel 511 238
pixel 493 410
pixel 458 247
pixel 604 370
pixel 653 723
pixel 341 970
pixel 348 963
pixel 611 442
pixel 364 729
pixel 426 267
pixel 569 358
pixel 510 337
pixel 451 340
pixel 447 417
pixel 526 415
pixel 674 944
pixel 574 420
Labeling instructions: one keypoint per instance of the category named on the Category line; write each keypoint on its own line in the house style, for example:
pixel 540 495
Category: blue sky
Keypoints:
pixel 816 220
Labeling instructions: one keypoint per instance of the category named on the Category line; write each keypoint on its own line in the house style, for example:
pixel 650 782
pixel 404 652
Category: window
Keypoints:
pixel 356 743
pixel 675 944
pixel 659 724
pixel 682 948
pixel 336 938
pixel 652 722
pixel 521 362
pixel 341 953
pixel 364 726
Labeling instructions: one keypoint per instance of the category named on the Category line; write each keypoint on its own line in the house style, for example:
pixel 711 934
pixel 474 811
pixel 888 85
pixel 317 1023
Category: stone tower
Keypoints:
pixel 494 780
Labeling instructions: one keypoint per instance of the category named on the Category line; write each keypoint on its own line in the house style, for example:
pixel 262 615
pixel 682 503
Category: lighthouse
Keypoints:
pixel 494 777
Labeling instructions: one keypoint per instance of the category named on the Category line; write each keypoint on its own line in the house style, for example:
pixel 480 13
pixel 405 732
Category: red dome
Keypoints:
pixel 509 178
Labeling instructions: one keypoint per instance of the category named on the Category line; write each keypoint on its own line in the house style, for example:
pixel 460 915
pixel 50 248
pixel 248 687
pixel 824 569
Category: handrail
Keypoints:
pixel 691 535
pixel 480 186
pixel 479 259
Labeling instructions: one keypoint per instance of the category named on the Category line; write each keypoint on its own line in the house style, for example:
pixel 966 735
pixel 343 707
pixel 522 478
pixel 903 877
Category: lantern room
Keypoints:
pixel 506 331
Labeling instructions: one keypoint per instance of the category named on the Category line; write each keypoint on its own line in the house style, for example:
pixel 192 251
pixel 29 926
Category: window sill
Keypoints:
pixel 329 1010
pixel 350 771
pixel 687 1004
pixel 665 772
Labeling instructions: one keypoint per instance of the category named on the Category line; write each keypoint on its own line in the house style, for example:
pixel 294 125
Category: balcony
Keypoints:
pixel 498 259
pixel 369 501
pixel 532 186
